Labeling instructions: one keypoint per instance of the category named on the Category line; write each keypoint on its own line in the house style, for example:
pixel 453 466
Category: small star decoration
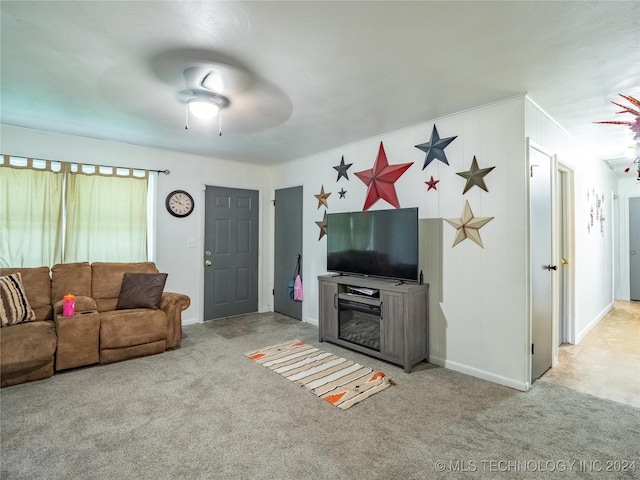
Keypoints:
pixel 380 179
pixel 467 226
pixel 432 184
pixel 322 198
pixel 435 148
pixel 342 169
pixel 323 226
pixel 475 176
pixel 342 192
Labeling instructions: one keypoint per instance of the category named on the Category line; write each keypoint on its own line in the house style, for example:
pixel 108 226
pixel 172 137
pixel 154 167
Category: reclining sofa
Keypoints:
pixel 121 312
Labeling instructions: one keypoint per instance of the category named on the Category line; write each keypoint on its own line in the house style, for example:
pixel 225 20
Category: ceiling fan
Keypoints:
pixel 209 83
pixel 208 89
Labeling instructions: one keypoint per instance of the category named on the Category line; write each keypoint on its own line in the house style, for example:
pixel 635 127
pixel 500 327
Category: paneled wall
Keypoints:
pixel 479 321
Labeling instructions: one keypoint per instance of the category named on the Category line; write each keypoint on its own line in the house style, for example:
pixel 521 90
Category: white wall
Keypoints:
pixel 481 324
pixel 593 261
pixel 628 187
pixel 188 172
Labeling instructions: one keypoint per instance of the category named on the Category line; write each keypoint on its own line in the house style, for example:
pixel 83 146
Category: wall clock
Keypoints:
pixel 179 203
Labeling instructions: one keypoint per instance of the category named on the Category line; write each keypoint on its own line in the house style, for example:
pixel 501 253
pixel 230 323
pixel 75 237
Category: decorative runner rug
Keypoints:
pixel 339 381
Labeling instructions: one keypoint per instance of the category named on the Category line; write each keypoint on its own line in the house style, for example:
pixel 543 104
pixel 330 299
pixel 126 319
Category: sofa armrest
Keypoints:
pixel 172 304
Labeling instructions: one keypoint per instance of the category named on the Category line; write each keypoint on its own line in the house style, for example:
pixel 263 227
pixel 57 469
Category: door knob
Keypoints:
pixel 552 267
pixel 208 263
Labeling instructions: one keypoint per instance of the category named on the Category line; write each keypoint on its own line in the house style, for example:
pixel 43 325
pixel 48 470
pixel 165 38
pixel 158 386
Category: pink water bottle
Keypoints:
pixel 68 305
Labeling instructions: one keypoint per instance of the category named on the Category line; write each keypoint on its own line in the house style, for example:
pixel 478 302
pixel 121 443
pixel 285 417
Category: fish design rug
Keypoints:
pixel 339 381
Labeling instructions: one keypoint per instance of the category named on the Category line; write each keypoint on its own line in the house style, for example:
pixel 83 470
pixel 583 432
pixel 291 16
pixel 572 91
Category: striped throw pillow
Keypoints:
pixel 14 306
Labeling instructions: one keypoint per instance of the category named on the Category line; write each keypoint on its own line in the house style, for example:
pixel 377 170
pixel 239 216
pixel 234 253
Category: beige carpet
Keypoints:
pixel 337 380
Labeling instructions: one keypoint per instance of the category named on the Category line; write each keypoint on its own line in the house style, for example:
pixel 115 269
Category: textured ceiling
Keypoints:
pixel 323 74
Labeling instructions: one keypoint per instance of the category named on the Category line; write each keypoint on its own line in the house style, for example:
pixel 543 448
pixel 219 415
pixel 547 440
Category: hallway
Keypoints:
pixel 606 363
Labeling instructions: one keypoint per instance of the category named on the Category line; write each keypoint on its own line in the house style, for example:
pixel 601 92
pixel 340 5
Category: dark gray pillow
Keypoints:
pixel 141 290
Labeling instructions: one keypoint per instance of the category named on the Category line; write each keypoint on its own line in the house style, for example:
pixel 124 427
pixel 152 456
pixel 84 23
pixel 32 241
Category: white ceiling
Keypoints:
pixel 324 74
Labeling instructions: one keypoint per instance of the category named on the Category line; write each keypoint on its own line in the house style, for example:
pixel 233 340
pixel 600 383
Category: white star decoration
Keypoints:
pixel 467 226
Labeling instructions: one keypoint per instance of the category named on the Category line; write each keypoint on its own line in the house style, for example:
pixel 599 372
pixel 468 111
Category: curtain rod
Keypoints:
pixel 7 161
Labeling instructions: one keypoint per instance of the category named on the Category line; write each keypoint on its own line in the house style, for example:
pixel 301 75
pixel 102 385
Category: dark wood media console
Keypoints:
pixel 390 321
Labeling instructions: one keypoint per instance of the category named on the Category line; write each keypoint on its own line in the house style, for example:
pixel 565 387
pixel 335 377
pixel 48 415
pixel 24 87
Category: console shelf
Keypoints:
pixel 394 326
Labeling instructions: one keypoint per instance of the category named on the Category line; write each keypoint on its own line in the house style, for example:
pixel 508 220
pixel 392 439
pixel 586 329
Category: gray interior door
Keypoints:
pixel 231 252
pixel 541 255
pixel 288 244
pixel 634 248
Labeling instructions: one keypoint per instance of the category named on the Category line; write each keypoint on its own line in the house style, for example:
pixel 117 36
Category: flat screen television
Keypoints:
pixel 379 243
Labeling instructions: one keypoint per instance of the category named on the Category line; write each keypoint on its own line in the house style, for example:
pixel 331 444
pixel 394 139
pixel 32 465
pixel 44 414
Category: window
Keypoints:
pixel 53 212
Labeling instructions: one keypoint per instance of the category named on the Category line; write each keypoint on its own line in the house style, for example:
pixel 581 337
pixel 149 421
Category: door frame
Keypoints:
pixel 564 242
pixel 200 247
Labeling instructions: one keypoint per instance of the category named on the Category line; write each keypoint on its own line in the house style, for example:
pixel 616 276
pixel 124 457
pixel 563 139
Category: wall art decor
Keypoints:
pixel 342 169
pixel 432 184
pixel 322 224
pixel 475 176
pixel 435 148
pixel 322 198
pixel 380 180
pixel 596 211
pixel 342 193
pixel 468 226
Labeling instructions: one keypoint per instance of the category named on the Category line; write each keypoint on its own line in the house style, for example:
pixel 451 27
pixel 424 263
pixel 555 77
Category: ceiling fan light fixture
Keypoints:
pixel 203 108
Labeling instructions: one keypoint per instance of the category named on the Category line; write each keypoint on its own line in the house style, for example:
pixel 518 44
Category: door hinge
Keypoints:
pixel 532 349
pixel 531 170
pixel 273 202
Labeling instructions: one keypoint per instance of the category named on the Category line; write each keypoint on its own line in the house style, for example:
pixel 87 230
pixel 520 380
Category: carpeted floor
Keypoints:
pixel 205 411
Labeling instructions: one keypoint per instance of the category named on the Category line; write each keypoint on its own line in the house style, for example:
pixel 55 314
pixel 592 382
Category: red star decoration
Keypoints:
pixel 380 179
pixel 432 184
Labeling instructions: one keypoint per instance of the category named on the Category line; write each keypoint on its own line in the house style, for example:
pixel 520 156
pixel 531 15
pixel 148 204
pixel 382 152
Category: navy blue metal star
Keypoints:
pixel 435 148
pixel 342 192
pixel 342 169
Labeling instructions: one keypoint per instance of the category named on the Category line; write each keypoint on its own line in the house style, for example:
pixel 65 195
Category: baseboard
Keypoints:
pixel 189 321
pixel 484 375
pixel 583 333
pixel 311 321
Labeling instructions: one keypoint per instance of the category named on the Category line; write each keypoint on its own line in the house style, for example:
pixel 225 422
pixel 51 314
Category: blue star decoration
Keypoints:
pixel 342 169
pixel 435 148
pixel 342 192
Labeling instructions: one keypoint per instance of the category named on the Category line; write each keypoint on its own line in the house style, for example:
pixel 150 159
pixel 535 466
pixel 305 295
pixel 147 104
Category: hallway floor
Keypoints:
pixel 606 363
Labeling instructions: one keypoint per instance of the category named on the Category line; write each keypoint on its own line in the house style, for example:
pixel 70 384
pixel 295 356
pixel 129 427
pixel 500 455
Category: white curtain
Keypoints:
pixel 30 213
pixel 53 212
pixel 106 217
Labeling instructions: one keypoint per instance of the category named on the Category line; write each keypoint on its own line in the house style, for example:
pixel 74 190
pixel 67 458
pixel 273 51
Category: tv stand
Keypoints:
pixel 392 326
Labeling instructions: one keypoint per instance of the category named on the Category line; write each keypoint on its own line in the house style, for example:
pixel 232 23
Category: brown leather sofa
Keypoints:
pixel 97 333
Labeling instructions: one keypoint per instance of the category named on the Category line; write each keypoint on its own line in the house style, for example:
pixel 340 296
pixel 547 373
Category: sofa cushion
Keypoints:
pixel 125 328
pixel 141 290
pixel 14 304
pixel 37 284
pixel 74 278
pixel 106 280
pixel 27 345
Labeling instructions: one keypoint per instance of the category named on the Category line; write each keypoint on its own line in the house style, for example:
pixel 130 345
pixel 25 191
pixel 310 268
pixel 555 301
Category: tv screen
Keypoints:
pixel 380 243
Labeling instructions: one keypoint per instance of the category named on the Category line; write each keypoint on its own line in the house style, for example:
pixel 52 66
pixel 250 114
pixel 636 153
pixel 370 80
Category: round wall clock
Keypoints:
pixel 179 203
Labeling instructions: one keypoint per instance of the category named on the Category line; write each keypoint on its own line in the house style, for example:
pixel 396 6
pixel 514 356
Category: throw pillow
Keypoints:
pixel 14 306
pixel 141 290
